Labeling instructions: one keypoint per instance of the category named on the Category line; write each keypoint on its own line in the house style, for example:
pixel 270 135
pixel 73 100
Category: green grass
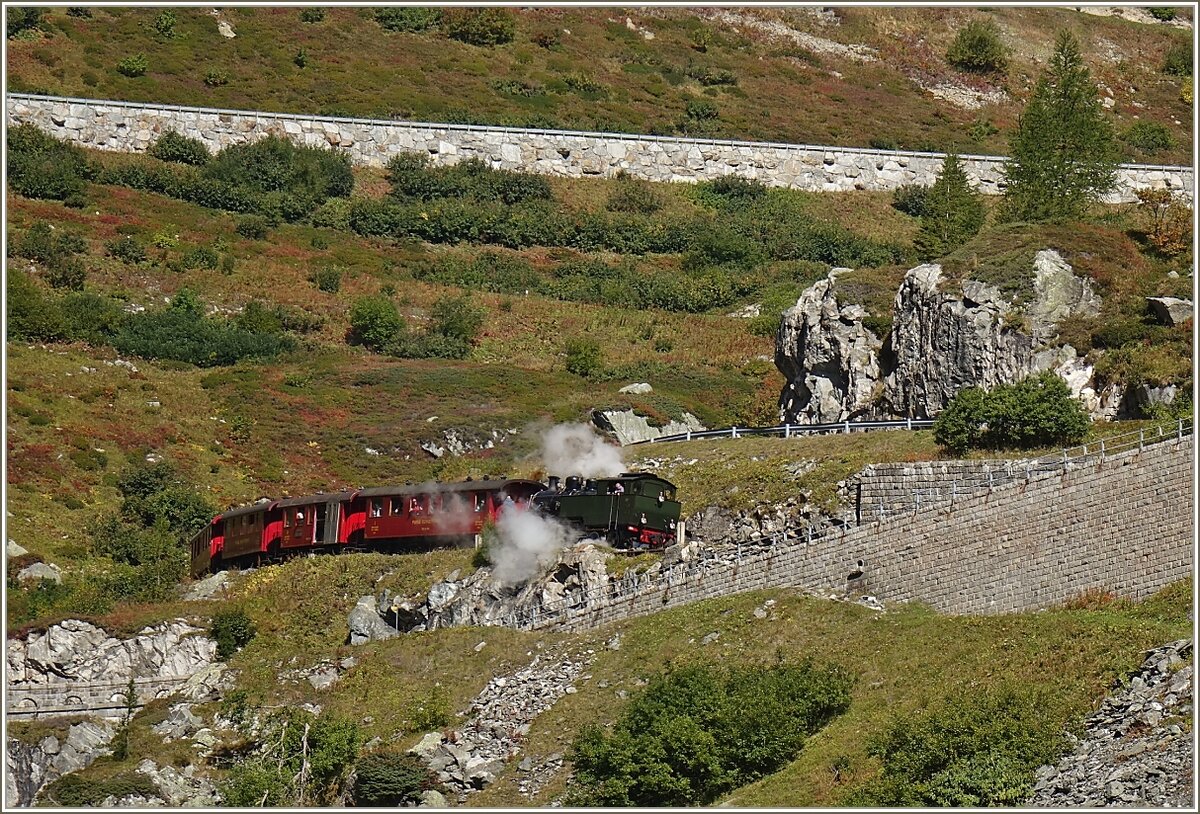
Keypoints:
pixel 783 93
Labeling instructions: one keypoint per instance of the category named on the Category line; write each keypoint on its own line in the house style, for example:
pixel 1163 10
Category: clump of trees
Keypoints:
pixel 1037 411
pixel 698 732
pixel 1064 153
pixel 951 212
pixel 456 321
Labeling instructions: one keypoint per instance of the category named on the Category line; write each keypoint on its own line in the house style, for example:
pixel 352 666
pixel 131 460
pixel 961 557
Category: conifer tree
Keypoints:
pixel 1064 153
pixel 952 213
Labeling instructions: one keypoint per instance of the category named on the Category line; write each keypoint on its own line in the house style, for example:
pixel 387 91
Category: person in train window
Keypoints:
pixel 413 506
pixel 376 508
pixel 480 502
pixel 618 489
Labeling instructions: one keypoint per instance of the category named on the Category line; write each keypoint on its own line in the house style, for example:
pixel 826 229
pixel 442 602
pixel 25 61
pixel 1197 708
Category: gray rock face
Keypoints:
pixel 179 723
pixel 1170 311
pixel 180 788
pixel 945 336
pixel 207 588
pixel 39 571
pixel 638 388
pixel 76 651
pixel 629 428
pixel 365 623
pixel 1134 753
pixel 31 767
pixel 830 360
pixel 943 342
pixel 13 549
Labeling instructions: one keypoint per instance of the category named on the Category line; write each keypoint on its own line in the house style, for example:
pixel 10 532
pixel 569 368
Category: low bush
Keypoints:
pixel 1149 137
pixel 253 227
pixel 408 20
pixel 41 166
pixel 1035 412
pixel 216 77
pixel 172 146
pixel 232 630
pixel 696 733
pixel 276 165
pixel 389 779
pixel 910 199
pixel 133 66
pixel 19 20
pixel 327 279
pixel 413 178
pixel 730 191
pixel 180 332
pixel 1178 59
pixel 32 315
pixel 457 318
pixel 375 322
pixel 312 14
pixel 67 273
pixel 1163 13
pixel 127 249
pixel 633 195
pixel 974 750
pixel 164 24
pixel 73 791
pixel 977 47
pixel 484 27
pixel 583 357
pixel 201 257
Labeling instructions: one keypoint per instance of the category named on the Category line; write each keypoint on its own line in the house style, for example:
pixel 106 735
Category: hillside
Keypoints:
pixel 188 333
pixel 854 77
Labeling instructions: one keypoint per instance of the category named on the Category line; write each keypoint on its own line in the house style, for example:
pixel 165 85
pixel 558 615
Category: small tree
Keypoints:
pixel 457 317
pixel 951 212
pixel 583 357
pixel 977 47
pixel 375 322
pixel 1064 152
pixel 390 779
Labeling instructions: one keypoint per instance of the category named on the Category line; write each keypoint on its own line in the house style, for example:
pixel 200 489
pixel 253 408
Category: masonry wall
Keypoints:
pixel 132 127
pixel 1123 524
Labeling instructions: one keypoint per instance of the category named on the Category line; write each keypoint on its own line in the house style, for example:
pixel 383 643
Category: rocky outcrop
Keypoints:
pixel 946 335
pixel 31 767
pixel 1136 751
pixel 180 788
pixel 629 428
pixel 481 600
pixel 459 442
pixel 365 623
pixel 39 571
pixel 830 360
pixel 471 756
pixel 74 651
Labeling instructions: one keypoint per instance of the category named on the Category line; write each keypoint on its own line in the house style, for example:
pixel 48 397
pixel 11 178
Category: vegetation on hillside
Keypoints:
pixel 703 72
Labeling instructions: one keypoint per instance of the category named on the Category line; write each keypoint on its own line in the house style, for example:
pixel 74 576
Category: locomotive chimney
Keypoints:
pixel 553 482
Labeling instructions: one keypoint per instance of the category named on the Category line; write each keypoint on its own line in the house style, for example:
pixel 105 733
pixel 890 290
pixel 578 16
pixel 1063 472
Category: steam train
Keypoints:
pixel 634 510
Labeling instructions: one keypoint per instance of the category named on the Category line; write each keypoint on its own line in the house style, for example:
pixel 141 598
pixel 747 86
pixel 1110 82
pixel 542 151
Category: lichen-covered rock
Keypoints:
pixel 1170 311
pixel 828 357
pixel 365 623
pixel 629 428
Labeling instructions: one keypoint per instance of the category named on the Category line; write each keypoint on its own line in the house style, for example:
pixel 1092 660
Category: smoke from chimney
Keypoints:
pixel 577 449
pixel 526 543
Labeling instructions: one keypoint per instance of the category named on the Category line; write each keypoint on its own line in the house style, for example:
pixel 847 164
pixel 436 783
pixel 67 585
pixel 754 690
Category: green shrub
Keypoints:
pixel 133 66
pixel 977 47
pixel 1035 412
pixel 583 357
pixel 91 317
pixel 276 165
pixel 172 146
pixel 47 245
pixel 308 762
pixel 82 12
pixel 232 630
pixel 67 273
pixel 1149 137
pixel 701 110
pixel 127 249
pixel 696 733
pixel 253 227
pixel 41 166
pixel 973 750
pixel 582 83
pixel 201 257
pixel 457 318
pixel 164 24
pixel 154 493
pixel 413 178
pixel 633 195
pixel 481 26
pixel 375 322
pixel 182 333
pixel 409 20
pixel 327 279
pixel 73 791
pixel 389 779
pixel 312 14
pixel 1163 13
pixel 216 77
pixel 300 60
pixel 32 315
pixel 910 199
pixel 19 20
pixel 730 191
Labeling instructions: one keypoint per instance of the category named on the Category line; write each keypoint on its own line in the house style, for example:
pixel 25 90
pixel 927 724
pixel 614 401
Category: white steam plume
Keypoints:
pixel 576 449
pixel 525 543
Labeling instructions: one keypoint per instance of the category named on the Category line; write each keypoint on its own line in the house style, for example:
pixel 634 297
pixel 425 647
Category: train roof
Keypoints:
pixel 429 487
pixel 628 476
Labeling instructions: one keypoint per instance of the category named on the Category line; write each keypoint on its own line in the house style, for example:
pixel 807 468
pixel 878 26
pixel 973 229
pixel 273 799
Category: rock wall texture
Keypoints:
pixel 132 127
pixel 1123 523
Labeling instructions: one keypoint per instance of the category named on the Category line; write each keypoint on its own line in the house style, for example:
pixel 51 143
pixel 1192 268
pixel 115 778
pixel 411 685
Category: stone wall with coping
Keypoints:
pixel 133 127
pixel 1123 523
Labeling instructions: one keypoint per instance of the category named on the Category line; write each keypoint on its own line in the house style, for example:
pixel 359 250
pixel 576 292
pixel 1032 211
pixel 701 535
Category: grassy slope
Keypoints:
pixel 904 659
pixel 784 92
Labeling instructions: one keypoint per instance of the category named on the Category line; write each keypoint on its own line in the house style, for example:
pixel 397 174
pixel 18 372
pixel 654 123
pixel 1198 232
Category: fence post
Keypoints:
pixel 910 422
pixel 1102 449
pixel 689 434
pixel 787 430
pixel 846 424
pixel 733 432
pixel 1180 431
pixel 1141 439
pixel 1064 461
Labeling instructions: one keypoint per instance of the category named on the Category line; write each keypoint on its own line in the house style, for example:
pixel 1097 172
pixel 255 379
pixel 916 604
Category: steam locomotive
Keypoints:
pixel 634 510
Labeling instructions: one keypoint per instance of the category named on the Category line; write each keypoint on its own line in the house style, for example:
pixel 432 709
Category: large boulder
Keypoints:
pixel 630 428
pixel 829 358
pixel 365 623
pixel 1170 311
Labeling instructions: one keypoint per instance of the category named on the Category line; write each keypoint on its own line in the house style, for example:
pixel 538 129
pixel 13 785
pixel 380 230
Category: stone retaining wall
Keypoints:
pixel 1123 524
pixel 132 127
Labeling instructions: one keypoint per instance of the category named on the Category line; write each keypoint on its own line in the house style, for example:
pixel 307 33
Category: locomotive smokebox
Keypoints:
pixel 589 485
pixel 574 483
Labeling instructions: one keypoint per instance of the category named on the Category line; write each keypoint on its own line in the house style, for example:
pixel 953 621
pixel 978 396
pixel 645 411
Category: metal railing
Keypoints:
pixel 794 430
pixel 633 585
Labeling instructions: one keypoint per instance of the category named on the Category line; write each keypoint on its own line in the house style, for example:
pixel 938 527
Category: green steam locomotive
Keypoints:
pixel 634 510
